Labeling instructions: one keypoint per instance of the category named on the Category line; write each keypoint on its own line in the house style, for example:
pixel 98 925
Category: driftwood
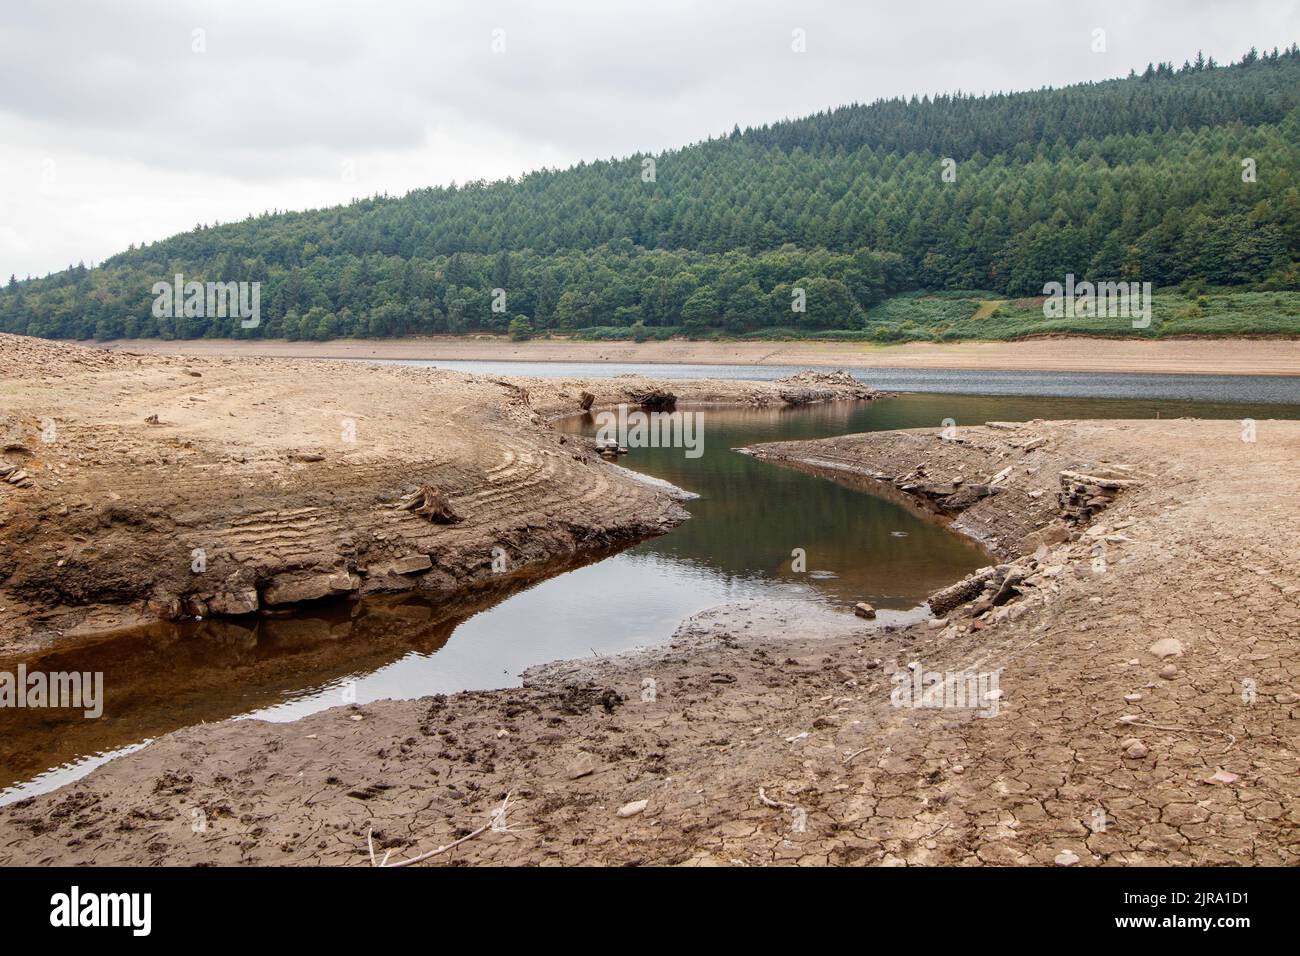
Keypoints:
pixel 656 400
pixel 967 589
pixel 427 502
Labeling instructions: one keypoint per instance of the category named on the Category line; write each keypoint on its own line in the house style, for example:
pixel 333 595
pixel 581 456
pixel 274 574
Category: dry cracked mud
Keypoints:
pixel 1142 623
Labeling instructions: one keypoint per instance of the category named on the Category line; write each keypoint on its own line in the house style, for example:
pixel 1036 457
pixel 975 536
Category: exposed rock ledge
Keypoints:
pixel 146 487
pixel 1147 711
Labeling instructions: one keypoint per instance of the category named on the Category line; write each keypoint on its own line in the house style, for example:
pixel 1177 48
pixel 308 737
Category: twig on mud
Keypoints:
pixel 848 758
pixel 1232 741
pixel 497 821
pixel 774 804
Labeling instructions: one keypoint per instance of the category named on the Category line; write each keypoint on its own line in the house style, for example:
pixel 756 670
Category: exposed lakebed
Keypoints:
pixel 746 522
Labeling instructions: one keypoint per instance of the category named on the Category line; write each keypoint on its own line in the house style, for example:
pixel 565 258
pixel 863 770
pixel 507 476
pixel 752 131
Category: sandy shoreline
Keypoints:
pixel 1066 354
pixel 1124 730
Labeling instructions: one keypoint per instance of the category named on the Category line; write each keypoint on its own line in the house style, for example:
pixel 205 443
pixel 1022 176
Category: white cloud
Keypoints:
pixel 146 137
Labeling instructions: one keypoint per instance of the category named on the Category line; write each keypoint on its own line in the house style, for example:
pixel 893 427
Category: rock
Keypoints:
pixel 1290 697
pixel 1067 858
pixel 166 606
pixel 1136 750
pixel 413 564
pixel 585 400
pixel 633 808
pixel 1168 672
pixel 863 609
pixel 581 767
pixel 655 400
pixel 1167 647
pixel 306 456
pixel 1132 698
pixel 1221 777
pixel 234 602
pixel 295 588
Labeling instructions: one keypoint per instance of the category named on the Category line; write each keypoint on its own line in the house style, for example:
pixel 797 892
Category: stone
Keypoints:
pixel 1167 647
pixel 633 808
pixel 413 564
pixel 295 588
pixel 1168 672
pixel 165 606
pixel 581 767
pixel 1221 777
pixel 243 601
pixel 863 609
pixel 1067 858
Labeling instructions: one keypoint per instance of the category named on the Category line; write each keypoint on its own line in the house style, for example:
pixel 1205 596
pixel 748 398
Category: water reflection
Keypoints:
pixel 748 519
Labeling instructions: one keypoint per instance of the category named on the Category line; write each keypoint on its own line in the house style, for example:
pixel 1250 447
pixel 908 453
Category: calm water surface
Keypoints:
pixel 747 519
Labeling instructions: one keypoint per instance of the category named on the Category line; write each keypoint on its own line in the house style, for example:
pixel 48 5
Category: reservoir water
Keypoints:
pixel 749 518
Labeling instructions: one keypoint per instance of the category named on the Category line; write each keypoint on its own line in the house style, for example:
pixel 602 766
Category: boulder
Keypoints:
pixel 242 601
pixel 294 588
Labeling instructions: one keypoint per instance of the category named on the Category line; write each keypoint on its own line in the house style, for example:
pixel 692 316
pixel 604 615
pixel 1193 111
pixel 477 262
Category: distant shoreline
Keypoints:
pixel 1065 354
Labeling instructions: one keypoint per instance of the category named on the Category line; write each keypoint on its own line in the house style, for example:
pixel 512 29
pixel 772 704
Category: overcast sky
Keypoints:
pixel 120 123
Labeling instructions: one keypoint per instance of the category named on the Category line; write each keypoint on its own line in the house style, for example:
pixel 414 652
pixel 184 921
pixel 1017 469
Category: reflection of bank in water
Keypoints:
pixel 166 676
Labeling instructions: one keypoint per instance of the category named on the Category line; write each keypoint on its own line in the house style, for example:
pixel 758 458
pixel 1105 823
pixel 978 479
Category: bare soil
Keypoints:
pixel 1143 626
pixel 139 488
pixel 1049 354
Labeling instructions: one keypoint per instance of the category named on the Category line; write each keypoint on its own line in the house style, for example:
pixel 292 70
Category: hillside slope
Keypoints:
pixel 1174 176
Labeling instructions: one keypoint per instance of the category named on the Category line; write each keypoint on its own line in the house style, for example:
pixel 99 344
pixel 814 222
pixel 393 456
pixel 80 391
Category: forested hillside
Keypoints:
pixel 1182 177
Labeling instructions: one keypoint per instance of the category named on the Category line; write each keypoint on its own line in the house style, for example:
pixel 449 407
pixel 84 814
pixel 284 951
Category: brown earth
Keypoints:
pixel 138 488
pixel 1200 356
pixel 1143 629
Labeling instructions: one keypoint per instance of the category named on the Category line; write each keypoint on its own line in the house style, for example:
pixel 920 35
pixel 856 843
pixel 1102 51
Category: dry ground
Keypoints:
pixel 1058 354
pixel 1147 712
pixel 147 487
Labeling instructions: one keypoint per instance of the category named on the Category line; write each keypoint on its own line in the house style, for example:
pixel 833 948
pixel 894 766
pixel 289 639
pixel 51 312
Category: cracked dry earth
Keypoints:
pixel 288 477
pixel 1143 624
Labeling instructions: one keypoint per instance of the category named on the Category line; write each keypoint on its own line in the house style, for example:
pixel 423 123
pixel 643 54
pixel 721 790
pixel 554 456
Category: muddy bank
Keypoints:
pixel 1056 354
pixel 1146 708
pixel 145 488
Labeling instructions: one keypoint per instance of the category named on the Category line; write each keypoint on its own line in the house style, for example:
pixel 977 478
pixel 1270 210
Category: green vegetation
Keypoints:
pixel 846 212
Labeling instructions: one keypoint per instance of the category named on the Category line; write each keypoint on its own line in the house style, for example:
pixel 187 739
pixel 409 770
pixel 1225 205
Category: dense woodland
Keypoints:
pixel 1145 178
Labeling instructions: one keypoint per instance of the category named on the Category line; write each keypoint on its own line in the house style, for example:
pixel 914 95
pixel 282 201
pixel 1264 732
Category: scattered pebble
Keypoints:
pixel 633 808
pixel 1067 858
pixel 1167 647
pixel 1221 776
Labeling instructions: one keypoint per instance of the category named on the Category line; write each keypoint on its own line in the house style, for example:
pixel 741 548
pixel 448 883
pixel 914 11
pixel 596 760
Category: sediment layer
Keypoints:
pixel 139 488
pixel 1145 711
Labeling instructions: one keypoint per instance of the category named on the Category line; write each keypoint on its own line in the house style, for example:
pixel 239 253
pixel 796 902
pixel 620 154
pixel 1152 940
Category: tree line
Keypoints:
pixel 1167 176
